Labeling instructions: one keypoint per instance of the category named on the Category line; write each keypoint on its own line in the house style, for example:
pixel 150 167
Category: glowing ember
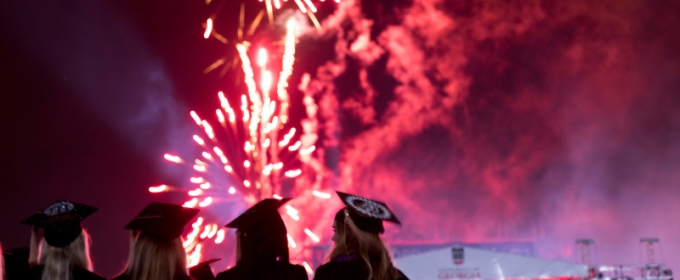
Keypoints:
pixel 295 146
pixel 199 140
pixel 205 185
pixel 321 194
pixel 307 151
pixel 246 163
pixel 308 268
pixel 196 180
pixel 158 189
pixel 206 231
pixel 172 158
pixel 276 196
pixel 213 231
pixel 291 242
pixel 191 203
pixel 205 202
pixel 232 190
pixel 207 156
pixel 228 169
pixel 293 173
pixel 246 183
pixel 312 235
pixel 195 257
pixel 195 117
pixel 199 168
pixel 220 236
pixel 196 192
pixel 208 29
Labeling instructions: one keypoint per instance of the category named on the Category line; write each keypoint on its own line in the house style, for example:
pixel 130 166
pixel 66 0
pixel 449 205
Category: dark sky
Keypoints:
pixel 496 121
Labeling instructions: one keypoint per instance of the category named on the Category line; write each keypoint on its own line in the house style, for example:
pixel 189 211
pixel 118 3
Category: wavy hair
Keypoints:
pixel 152 259
pixel 368 246
pixel 57 261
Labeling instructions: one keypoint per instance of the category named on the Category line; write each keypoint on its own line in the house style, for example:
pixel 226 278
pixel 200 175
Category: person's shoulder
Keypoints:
pixel 297 271
pixel 182 276
pixel 84 274
pixel 121 277
pixel 402 276
pixel 227 274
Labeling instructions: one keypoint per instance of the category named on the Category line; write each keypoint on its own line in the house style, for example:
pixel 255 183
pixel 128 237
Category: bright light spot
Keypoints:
pixel 228 168
pixel 198 222
pixel 196 180
pixel 199 168
pixel 196 192
pixel 293 173
pixel 220 236
pixel 246 163
pixel 220 116
pixel 224 159
pixel 321 194
pixel 311 6
pixel 206 231
pixel 308 268
pixel 276 196
pixel 195 117
pixel 301 6
pixel 208 130
pixel 158 189
pixel 295 146
pixel 266 82
pixel 277 4
pixel 199 140
pixel 191 203
pixel 246 183
pixel 195 256
pixel 267 142
pixel 207 156
pixel 291 242
pixel 208 28
pixel 278 165
pixel 232 190
pixel 205 185
pixel 262 57
pixel 291 209
pixel 218 151
pixel 172 158
pixel 205 202
pixel 267 169
pixel 312 235
pixel 213 231
pixel 307 151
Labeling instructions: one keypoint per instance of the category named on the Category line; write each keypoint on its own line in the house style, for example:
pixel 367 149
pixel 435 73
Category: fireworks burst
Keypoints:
pixel 252 147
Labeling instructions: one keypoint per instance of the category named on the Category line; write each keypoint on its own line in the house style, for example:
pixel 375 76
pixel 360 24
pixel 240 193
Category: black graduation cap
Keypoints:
pixel 165 221
pixel 202 270
pixel 366 213
pixel 261 220
pixel 61 221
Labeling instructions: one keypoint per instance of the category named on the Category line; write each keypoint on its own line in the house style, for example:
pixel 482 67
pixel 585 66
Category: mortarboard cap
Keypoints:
pixel 262 219
pixel 202 270
pixel 367 214
pixel 61 221
pixel 162 220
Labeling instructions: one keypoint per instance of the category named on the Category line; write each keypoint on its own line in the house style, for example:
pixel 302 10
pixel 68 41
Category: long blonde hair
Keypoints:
pixel 368 246
pixel 152 259
pixel 57 261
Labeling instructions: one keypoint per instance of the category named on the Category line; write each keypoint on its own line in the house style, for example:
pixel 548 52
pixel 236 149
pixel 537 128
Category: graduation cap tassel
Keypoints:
pixel 33 255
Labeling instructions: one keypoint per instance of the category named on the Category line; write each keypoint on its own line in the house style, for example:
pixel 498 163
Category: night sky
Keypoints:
pixel 475 120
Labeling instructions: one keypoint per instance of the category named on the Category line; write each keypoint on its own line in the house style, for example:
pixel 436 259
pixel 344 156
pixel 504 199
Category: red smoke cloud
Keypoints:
pixel 540 120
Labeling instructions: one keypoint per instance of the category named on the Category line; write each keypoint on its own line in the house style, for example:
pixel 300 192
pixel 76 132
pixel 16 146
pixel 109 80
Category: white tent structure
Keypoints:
pixel 464 263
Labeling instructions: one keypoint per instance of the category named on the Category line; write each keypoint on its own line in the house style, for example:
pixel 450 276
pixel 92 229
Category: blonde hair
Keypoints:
pixel 369 247
pixel 152 259
pixel 2 264
pixel 57 261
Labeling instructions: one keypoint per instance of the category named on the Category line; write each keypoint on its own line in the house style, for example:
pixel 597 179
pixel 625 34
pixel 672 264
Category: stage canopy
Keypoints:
pixel 466 263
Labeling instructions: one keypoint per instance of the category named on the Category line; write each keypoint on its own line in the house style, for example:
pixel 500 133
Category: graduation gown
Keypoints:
pixel 77 272
pixel 178 276
pixel 271 271
pixel 346 268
